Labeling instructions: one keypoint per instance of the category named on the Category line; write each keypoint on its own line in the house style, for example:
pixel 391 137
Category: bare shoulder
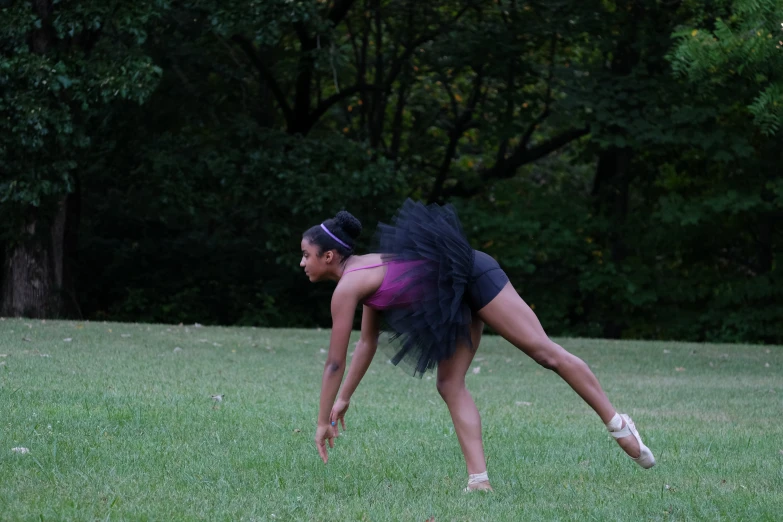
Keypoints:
pixel 365 260
pixel 362 278
pixel 346 289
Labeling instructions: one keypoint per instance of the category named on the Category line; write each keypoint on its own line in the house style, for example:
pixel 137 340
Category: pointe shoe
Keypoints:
pixel 645 458
pixel 479 486
pixel 478 482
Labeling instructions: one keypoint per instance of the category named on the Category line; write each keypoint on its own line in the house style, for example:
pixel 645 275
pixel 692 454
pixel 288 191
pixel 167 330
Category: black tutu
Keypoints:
pixel 428 329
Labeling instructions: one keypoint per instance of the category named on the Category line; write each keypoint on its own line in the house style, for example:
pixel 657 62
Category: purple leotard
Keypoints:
pixel 398 287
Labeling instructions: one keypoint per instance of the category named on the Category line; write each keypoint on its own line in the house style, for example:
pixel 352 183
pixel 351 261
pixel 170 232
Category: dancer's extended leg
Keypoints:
pixel 512 318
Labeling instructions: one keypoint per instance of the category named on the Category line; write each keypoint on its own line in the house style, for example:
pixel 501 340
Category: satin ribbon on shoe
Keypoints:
pixel 476 478
pixel 645 458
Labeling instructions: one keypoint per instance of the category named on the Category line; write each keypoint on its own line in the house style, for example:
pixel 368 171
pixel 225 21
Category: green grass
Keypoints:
pixel 122 427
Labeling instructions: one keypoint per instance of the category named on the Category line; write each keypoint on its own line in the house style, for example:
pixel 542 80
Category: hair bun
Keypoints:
pixel 349 224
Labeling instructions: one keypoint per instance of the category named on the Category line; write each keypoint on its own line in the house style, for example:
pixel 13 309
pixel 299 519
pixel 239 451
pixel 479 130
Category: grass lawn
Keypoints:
pixel 120 425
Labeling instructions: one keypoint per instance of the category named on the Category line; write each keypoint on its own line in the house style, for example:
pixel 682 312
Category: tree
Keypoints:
pixel 406 79
pixel 63 67
pixel 732 59
pixel 741 51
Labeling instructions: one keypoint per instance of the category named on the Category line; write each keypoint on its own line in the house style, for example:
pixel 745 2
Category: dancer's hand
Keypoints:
pixel 338 413
pixel 324 433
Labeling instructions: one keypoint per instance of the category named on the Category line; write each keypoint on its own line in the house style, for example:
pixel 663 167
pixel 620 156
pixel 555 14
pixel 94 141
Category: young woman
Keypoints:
pixel 436 294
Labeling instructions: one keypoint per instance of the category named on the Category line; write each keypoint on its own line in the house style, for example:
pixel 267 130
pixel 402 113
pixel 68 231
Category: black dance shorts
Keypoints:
pixel 487 279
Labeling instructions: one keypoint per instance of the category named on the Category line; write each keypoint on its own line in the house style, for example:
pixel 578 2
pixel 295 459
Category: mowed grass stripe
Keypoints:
pixel 120 424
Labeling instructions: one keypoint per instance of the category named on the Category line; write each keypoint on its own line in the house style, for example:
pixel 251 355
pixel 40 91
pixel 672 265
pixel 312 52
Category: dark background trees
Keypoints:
pixel 622 160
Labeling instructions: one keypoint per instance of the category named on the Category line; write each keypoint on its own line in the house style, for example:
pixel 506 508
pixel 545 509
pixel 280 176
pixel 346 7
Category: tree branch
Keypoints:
pixel 521 149
pixel 266 75
pixel 452 97
pixel 462 123
pixel 335 98
pixel 303 120
pixel 509 168
pixel 522 157
pixel 397 64
pixel 379 97
pixel 352 36
pixel 304 79
pixel 397 123
pixel 547 100
pixel 509 115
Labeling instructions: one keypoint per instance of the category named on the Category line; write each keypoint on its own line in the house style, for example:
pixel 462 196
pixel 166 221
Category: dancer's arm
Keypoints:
pixel 344 303
pixel 364 353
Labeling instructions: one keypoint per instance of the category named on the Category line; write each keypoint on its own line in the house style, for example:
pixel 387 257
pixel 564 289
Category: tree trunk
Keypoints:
pixel 765 254
pixel 33 268
pixel 73 211
pixel 379 96
pixel 41 37
pixel 610 190
pixel 33 265
pixel 397 123
pixel 613 173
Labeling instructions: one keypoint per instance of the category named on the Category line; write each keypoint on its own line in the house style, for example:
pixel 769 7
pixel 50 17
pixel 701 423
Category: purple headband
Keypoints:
pixel 334 237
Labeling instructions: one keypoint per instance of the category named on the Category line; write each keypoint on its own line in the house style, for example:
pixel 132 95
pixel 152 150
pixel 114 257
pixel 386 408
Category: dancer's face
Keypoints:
pixel 316 267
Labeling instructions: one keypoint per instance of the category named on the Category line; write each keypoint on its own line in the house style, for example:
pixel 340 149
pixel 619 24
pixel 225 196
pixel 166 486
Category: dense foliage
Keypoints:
pixel 621 159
